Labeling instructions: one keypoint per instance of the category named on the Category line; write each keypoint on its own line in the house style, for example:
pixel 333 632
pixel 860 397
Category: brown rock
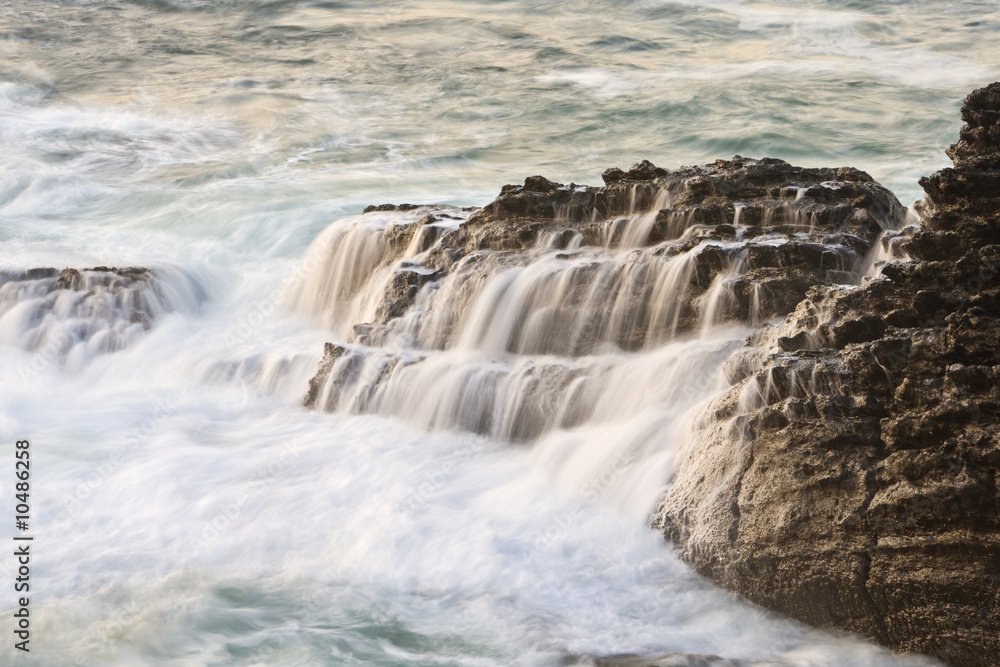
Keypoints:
pixel 862 489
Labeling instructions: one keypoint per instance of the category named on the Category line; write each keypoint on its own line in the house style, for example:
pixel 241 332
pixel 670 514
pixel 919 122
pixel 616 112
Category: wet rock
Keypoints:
pixel 571 271
pixel 538 199
pixel 979 140
pixel 37 274
pixel 767 230
pixel 73 314
pixel 400 293
pixel 810 226
pixel 768 193
pixel 852 476
pixel 390 207
pixel 331 353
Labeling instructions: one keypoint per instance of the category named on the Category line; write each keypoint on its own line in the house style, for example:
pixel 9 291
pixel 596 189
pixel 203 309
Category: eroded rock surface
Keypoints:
pixel 548 277
pixel 850 476
pixel 783 228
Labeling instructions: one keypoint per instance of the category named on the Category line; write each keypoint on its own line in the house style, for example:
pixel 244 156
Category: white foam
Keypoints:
pixel 190 512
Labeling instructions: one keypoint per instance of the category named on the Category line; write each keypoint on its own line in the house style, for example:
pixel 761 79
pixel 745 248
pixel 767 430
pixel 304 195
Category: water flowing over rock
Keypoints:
pixel 70 316
pixel 840 465
pixel 512 319
pixel 849 476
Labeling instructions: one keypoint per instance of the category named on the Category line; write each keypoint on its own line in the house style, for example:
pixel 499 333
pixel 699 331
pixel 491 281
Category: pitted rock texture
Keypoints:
pixel 786 228
pixel 549 278
pixel 765 196
pixel 850 476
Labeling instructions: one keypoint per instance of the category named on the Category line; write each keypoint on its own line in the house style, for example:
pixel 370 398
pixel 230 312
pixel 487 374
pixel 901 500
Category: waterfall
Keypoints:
pixel 70 316
pixel 598 341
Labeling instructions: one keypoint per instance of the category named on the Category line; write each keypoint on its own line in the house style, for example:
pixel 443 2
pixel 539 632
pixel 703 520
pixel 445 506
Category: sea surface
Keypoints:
pixel 187 510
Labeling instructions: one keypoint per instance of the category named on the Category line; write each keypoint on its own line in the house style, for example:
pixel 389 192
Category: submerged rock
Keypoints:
pixel 71 315
pixel 851 475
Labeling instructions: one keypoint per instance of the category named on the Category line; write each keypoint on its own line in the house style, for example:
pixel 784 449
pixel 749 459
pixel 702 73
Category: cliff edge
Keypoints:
pixel 850 475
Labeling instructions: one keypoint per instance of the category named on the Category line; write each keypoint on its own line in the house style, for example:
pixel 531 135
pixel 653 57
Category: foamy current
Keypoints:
pixel 484 501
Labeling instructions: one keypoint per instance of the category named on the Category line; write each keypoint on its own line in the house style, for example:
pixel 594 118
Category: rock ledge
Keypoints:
pixel 850 476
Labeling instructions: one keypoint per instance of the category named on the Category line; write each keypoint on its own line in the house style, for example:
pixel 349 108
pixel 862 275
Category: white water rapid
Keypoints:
pixel 180 238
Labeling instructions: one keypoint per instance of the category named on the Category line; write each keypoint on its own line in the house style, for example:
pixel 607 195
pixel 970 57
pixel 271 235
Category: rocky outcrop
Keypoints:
pixel 781 228
pixel 73 314
pixel 851 475
pixel 760 197
pixel 667 660
pixel 548 277
pixel 102 290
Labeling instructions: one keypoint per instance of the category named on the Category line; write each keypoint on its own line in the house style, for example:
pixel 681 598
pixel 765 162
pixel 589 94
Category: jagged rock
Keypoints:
pixel 331 352
pixel 851 475
pixel 979 140
pixel 795 227
pixel 768 193
pixel 576 272
pixel 390 207
pixel 108 293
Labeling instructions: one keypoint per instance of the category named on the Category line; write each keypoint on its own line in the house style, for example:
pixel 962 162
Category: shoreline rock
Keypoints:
pixel 70 315
pixel 565 273
pixel 850 476
pixel 783 228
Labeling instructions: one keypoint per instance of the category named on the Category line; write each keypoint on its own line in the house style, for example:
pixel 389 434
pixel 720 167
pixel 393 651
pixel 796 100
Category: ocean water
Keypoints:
pixel 187 510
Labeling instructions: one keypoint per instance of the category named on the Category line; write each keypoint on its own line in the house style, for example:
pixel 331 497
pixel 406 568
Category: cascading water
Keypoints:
pixel 598 352
pixel 73 316
pixel 499 394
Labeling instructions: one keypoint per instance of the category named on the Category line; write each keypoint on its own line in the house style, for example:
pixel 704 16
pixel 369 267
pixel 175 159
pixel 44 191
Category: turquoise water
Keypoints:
pixel 188 511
